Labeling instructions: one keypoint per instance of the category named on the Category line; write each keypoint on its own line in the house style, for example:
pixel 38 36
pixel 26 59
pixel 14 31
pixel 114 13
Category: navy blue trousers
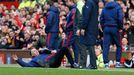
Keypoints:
pixel 111 33
pixel 52 41
pixel 72 42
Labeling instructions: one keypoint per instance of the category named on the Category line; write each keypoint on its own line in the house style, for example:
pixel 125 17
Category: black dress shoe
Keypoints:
pixel 93 68
pixel 90 67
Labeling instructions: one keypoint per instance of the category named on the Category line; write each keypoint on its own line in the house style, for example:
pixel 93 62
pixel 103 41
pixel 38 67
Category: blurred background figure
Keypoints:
pixel 99 61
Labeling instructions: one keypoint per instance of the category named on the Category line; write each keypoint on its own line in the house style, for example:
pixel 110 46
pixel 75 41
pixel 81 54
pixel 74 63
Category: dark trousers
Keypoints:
pixel 55 61
pixel 71 41
pixel 111 33
pixel 84 51
pixel 91 51
pixel 83 55
pixel 52 40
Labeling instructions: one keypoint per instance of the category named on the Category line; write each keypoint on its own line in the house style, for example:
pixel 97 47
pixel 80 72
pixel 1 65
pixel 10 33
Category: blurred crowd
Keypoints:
pixel 19 26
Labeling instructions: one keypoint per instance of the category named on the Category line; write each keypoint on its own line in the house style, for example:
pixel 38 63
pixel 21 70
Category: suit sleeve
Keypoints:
pixel 86 15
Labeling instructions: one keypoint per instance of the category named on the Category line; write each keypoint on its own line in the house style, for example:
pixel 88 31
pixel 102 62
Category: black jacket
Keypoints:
pixel 90 22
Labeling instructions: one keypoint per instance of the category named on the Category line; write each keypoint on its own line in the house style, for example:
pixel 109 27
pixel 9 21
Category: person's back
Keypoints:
pixel 52 26
pixel 112 22
pixel 52 20
pixel 112 15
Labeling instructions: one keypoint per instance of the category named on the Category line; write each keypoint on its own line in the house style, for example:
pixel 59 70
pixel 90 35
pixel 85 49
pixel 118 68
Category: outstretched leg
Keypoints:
pixel 59 56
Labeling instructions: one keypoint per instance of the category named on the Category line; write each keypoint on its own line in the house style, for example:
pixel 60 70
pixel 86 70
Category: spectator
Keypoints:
pixel 126 28
pixel 130 63
pixel 128 32
pixel 27 3
pixel 131 4
pixel 99 61
pixel 125 46
pixel 41 1
pixel 113 47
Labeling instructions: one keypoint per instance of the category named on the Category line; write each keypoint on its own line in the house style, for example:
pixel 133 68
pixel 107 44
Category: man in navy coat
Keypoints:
pixel 88 32
pixel 52 26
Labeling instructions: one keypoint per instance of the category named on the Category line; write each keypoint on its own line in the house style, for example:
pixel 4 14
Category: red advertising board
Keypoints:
pixel 2 58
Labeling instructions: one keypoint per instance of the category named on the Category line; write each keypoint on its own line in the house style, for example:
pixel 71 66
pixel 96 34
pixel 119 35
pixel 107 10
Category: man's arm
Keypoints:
pixel 86 14
pixel 21 62
pixel 86 17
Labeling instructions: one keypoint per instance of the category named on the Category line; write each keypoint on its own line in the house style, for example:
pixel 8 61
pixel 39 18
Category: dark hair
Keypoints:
pixel 131 5
pixel 50 2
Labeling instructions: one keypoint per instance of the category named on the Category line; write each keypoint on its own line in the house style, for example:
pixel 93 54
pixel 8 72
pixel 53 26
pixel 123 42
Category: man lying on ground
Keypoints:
pixel 47 58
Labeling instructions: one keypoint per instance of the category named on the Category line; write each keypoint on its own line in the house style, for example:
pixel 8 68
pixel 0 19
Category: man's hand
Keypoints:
pixel 82 32
pixel 78 32
pixel 54 51
pixel 15 57
pixel 120 31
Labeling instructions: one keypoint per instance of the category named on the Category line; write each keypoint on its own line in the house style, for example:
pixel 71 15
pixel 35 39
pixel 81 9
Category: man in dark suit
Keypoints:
pixel 88 32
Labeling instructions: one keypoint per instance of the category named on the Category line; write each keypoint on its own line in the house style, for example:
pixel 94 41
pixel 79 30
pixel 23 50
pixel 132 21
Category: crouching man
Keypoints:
pixel 46 58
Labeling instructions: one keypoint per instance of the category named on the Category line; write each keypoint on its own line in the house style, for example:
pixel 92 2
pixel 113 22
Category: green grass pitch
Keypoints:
pixel 16 70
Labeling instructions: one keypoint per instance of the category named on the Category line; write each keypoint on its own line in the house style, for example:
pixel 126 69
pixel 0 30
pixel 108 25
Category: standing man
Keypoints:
pixel 88 33
pixel 69 29
pixel 112 22
pixel 52 25
pixel 78 22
